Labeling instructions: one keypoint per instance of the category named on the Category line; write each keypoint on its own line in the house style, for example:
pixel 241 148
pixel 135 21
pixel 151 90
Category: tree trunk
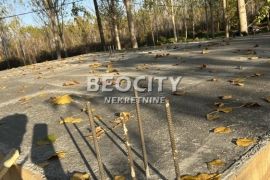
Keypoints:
pixel 206 18
pixel 242 17
pixel 212 19
pixel 100 28
pixel 173 21
pixel 5 48
pixel 185 21
pixel 52 16
pixel 63 44
pixel 22 51
pixel 193 22
pixel 56 39
pixel 225 18
pixel 268 21
pixel 115 27
pixel 131 26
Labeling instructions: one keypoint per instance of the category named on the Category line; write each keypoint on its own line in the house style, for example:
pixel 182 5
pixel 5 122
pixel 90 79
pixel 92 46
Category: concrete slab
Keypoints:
pixel 24 122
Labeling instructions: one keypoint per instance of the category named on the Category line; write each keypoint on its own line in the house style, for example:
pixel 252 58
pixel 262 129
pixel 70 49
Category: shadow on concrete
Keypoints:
pixel 12 130
pixel 41 155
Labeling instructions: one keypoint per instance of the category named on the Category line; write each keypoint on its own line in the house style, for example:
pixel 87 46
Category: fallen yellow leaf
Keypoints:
pixel 71 83
pixel 99 132
pixel 212 116
pixel 216 162
pixel 202 176
pixel 51 138
pixel 226 97
pixel 119 178
pixel 222 130
pixel 95 65
pixel 70 120
pixel 244 142
pixel 62 100
pixel 125 115
pixel 225 109
pixel 238 84
pixel 80 176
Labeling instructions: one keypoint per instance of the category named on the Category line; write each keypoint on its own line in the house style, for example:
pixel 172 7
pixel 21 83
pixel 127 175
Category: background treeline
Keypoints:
pixel 67 28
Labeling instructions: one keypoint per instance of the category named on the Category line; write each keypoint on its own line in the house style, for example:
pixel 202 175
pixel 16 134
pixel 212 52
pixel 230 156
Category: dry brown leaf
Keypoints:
pixel 80 176
pixel 71 120
pixel 24 99
pixel 219 104
pixel 205 51
pixel 267 99
pixel 119 178
pixel 179 93
pixel 225 109
pixel 222 130
pixel 244 142
pixel 252 105
pixel 212 116
pixel 125 115
pixel 238 84
pixel 71 83
pixel 95 65
pixel 202 176
pixel 216 162
pixel 213 80
pixel 203 66
pixel 99 132
pixel 256 75
pixel 226 97
pixel 237 80
pixel 117 121
pixel 253 58
pixel 122 116
pixel 62 100
pixel 57 155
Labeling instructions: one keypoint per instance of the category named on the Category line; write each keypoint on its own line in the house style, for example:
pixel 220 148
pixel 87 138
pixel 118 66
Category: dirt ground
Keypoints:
pixel 28 115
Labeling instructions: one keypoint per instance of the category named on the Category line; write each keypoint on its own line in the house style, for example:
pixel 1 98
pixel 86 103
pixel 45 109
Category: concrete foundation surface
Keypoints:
pixel 27 113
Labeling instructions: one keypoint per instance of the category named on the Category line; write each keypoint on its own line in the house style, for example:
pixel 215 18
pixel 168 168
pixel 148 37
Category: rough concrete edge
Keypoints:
pixel 246 157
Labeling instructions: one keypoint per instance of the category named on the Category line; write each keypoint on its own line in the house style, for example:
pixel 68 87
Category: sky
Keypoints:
pixel 32 19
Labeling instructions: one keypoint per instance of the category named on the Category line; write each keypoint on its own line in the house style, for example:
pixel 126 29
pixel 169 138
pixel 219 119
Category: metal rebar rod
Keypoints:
pixel 172 138
pixel 138 111
pixel 130 156
pixel 93 129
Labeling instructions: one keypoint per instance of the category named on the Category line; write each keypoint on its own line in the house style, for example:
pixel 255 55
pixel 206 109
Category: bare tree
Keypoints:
pixel 131 26
pixel 100 27
pixel 211 4
pixel 242 17
pixel 225 19
pixel 173 20
pixel 114 24
pixel 50 12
